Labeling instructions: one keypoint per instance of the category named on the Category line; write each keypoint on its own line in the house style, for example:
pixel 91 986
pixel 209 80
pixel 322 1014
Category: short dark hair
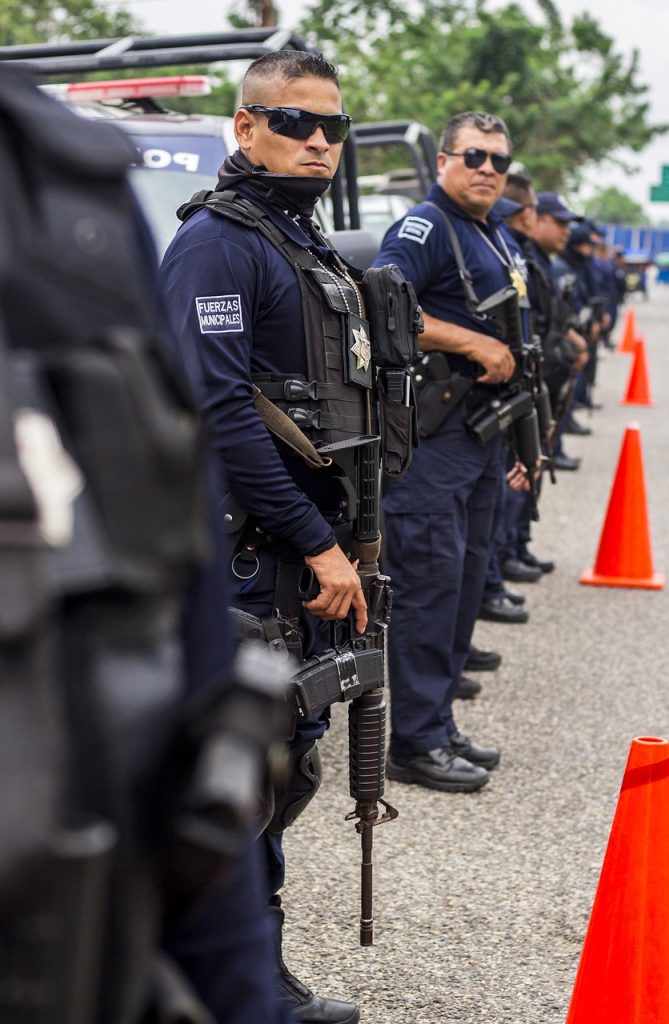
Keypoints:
pixel 488 123
pixel 519 188
pixel 285 64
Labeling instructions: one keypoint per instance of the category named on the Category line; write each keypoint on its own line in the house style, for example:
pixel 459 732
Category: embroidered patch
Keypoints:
pixel 415 228
pixel 219 314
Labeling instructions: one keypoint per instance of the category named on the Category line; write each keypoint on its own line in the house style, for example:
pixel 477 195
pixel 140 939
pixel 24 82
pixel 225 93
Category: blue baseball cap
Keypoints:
pixel 597 229
pixel 507 207
pixel 553 204
pixel 581 234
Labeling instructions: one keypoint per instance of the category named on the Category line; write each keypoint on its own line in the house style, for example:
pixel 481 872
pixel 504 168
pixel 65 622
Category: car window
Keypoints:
pixel 169 169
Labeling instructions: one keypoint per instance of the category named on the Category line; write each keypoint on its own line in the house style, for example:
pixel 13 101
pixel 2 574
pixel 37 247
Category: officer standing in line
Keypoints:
pixel 123 596
pixel 438 519
pixel 520 216
pixel 502 603
pixel 576 262
pixel 609 277
pixel 565 349
pixel 253 290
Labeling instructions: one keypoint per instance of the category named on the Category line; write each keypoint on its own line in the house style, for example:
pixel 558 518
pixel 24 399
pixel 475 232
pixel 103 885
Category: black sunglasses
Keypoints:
pixel 301 124
pixel 477 157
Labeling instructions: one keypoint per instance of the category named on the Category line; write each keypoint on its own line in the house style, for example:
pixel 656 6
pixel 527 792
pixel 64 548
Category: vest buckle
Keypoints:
pixel 294 390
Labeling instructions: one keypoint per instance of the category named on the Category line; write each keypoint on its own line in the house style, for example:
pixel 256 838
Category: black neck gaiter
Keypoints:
pixel 289 192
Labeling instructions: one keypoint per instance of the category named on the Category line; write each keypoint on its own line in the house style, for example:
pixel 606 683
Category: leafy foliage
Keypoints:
pixel 569 99
pixel 611 206
pixel 33 21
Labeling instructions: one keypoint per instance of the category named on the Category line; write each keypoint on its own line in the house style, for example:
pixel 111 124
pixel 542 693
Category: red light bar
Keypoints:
pixel 137 88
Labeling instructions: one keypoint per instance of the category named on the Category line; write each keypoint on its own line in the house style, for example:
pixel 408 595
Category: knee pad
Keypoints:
pixel 300 787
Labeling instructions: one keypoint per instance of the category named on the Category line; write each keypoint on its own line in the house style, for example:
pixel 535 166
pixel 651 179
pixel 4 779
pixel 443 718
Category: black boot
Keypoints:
pixel 305 1007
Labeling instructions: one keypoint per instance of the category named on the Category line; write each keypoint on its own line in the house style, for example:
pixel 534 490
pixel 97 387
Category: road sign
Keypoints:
pixel 660 193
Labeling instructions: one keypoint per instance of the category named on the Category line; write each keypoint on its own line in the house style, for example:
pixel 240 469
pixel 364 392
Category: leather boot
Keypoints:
pixel 305 1007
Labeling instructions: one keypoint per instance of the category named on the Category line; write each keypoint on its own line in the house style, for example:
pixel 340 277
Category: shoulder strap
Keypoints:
pixel 239 208
pixel 471 297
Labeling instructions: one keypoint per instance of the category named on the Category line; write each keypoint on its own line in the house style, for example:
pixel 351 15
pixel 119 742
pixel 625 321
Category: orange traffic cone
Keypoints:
pixel 626 343
pixel 624 557
pixel 623 974
pixel 638 389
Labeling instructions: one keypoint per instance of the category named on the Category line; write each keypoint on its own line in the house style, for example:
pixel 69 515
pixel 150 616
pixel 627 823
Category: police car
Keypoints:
pixel 177 154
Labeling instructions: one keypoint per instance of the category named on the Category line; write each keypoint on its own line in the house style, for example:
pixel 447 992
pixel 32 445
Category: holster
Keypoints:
pixel 438 391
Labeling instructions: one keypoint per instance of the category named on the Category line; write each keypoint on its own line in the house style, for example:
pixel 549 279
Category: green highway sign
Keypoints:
pixel 660 193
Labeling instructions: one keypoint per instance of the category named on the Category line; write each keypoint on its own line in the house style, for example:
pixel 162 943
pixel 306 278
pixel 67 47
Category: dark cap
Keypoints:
pixel 595 228
pixel 581 234
pixel 553 204
pixel 507 207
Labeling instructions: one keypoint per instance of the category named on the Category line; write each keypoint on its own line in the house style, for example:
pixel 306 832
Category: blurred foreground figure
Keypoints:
pixel 130 756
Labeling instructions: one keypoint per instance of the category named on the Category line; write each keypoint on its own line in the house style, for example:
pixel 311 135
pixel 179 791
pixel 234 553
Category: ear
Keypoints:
pixel 244 125
pixel 441 161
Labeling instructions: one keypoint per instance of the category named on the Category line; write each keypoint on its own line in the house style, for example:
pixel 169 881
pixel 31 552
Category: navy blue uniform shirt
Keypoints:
pixel 235 305
pixel 421 247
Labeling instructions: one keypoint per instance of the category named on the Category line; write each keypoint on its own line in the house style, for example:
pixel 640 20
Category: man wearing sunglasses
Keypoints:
pixel 438 518
pixel 253 289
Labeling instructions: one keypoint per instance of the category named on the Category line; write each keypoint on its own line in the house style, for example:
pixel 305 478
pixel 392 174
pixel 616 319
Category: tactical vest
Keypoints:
pixel 334 403
pixel 550 320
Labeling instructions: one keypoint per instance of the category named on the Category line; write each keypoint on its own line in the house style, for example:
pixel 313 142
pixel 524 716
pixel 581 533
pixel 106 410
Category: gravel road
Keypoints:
pixel 482 900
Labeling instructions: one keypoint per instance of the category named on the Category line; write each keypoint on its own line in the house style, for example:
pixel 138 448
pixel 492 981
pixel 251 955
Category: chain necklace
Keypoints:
pixel 508 262
pixel 337 282
pixel 515 275
pixel 333 276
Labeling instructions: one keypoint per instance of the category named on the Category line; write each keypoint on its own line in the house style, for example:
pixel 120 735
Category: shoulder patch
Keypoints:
pixel 415 228
pixel 219 314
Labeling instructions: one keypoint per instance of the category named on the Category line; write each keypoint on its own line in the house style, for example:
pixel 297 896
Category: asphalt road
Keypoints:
pixel 481 901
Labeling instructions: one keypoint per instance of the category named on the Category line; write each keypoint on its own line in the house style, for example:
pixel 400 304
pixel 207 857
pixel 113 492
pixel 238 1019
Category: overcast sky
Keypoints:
pixel 643 24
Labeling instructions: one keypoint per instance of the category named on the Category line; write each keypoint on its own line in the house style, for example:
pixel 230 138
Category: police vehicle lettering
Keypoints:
pixel 159 159
pixel 219 314
pixel 415 228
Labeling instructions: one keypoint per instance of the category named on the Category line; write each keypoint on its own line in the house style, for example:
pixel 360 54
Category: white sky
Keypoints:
pixel 643 25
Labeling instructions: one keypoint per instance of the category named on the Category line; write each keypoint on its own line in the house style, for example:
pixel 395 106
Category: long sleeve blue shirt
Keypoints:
pixel 235 305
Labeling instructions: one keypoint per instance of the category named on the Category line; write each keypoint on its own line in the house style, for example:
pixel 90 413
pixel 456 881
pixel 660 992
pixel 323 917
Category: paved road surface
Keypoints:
pixel 482 900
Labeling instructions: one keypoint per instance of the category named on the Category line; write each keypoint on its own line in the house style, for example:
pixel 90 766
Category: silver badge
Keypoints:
pixel 362 350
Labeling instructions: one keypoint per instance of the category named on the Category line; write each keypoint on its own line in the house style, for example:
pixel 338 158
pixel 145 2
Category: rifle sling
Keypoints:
pixel 471 297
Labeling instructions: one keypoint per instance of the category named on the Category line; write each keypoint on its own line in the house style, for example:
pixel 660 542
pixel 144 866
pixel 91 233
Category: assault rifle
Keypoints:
pixel 523 405
pixel 353 667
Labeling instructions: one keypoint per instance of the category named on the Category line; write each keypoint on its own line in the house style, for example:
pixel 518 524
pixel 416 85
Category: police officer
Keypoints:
pixel 438 519
pixel 517 207
pixel 576 261
pixel 269 320
pixel 111 575
pixel 565 349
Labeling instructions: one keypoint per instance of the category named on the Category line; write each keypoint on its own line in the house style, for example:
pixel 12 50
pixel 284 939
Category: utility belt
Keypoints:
pixel 440 392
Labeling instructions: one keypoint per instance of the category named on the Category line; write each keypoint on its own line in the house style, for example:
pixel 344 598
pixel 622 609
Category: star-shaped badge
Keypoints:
pixel 518 282
pixel 362 350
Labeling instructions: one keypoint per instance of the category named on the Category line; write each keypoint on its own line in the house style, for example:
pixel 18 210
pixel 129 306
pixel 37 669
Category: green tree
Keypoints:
pixel 569 99
pixel 34 21
pixel 612 206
